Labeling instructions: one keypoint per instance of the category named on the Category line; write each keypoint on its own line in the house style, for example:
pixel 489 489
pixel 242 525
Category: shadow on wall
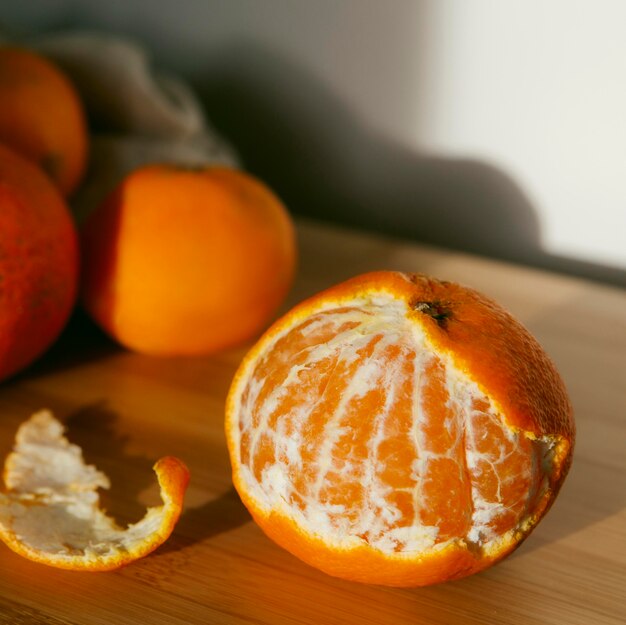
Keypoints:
pixel 296 135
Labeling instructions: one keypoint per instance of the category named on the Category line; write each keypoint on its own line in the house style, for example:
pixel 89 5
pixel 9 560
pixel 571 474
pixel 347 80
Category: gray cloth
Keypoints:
pixel 137 114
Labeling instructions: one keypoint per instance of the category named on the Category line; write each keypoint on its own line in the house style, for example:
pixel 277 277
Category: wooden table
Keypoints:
pixel 127 410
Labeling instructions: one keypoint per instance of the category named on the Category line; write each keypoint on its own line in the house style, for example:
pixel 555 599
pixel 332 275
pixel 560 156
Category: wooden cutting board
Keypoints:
pixel 127 410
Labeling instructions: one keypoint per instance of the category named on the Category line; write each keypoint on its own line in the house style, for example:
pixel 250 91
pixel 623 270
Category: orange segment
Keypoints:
pixel 354 422
pixel 50 513
pixel 363 407
pixel 503 469
pixel 446 501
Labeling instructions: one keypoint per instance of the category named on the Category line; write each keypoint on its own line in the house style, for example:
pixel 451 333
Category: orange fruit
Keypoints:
pixel 398 430
pixel 41 116
pixel 181 261
pixel 50 512
pixel 38 262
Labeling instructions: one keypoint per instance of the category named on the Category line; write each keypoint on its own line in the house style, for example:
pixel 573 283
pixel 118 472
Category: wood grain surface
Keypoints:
pixel 127 410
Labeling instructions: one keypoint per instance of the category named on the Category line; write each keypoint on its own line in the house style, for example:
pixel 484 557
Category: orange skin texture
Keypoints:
pixel 42 117
pixel 366 565
pixel 495 351
pixel 187 261
pixel 38 262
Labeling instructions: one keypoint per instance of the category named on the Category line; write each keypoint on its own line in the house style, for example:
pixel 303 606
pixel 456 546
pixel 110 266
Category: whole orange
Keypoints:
pixel 187 261
pixel 41 116
pixel 400 430
pixel 38 262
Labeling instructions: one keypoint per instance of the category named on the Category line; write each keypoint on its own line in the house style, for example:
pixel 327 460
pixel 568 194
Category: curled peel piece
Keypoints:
pixel 50 512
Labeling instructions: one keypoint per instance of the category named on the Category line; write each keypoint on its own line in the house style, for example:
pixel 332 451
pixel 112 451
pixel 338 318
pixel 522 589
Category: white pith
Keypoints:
pixel 385 316
pixel 52 506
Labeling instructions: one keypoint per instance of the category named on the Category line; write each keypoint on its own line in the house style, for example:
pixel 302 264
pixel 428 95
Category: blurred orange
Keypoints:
pixel 41 116
pixel 38 262
pixel 187 261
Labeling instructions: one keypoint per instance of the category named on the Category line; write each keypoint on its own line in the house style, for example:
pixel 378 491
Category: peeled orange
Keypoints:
pixel 398 430
pixel 181 261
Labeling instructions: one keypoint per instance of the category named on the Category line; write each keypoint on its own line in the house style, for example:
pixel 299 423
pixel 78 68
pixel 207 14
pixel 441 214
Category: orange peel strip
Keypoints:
pixel 50 512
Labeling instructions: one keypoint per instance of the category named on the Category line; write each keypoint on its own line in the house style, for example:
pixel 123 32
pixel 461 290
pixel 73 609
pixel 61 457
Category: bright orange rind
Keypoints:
pixel 181 261
pixel 50 512
pixel 400 430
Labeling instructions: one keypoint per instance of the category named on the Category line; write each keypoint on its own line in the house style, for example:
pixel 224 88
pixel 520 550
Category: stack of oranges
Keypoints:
pixel 43 152
pixel 175 261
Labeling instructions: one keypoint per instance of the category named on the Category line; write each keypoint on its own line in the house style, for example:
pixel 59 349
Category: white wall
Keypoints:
pixel 496 126
pixel 539 88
